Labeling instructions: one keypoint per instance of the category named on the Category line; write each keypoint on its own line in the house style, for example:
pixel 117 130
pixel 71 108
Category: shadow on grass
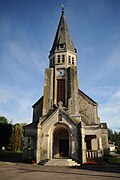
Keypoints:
pixel 10 157
pixel 111 168
pixel 79 170
pixel 111 164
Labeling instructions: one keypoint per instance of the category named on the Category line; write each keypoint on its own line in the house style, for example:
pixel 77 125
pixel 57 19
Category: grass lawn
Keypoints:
pixel 17 157
pixel 11 156
pixel 113 159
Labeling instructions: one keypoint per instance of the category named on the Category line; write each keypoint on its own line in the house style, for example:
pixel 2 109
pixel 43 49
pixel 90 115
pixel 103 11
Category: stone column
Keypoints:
pixel 33 146
pixel 38 142
pixel 99 146
pixel 100 143
pixel 24 155
pixel 83 146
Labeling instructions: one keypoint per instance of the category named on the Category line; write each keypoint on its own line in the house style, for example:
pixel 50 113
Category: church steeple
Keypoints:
pixel 61 76
pixel 62 39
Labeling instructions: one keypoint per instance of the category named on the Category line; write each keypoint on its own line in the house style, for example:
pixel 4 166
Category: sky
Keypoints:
pixel 27 31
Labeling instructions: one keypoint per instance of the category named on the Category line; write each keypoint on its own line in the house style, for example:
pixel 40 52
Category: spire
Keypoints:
pixel 62 38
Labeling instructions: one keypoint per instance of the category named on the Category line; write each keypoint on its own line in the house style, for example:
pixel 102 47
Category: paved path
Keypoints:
pixel 21 171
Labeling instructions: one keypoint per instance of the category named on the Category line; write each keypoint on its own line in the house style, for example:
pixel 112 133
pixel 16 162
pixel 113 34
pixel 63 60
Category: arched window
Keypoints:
pixel 69 59
pixel 73 60
pixel 63 58
pixel 58 58
pixel 61 90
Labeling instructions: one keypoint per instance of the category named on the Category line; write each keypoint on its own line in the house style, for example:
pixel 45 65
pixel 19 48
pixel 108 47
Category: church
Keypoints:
pixel 65 125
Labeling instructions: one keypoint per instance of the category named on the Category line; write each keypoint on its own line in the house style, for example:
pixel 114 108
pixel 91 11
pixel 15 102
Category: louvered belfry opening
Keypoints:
pixel 61 90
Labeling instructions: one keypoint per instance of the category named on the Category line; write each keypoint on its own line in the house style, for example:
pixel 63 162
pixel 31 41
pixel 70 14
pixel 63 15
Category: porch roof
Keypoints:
pixel 62 111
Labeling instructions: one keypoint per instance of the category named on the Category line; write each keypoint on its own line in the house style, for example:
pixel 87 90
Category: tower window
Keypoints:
pixel 63 58
pixel 53 60
pixel 60 46
pixel 61 90
pixel 50 64
pixel 58 58
pixel 69 59
pixel 73 60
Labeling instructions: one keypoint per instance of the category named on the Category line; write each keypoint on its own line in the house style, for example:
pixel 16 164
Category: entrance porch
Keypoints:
pixel 61 142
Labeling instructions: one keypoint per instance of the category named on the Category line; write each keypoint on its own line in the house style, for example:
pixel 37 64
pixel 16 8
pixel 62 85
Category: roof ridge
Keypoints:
pixel 95 103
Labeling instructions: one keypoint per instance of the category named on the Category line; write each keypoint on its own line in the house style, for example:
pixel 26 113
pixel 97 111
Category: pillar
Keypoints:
pixel 84 159
pixel 24 155
pixel 38 143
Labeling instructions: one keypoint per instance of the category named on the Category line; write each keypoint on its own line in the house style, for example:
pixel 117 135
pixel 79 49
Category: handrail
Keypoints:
pixel 91 153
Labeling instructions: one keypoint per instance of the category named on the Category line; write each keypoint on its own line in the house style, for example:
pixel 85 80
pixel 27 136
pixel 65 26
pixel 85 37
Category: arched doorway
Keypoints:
pixel 60 142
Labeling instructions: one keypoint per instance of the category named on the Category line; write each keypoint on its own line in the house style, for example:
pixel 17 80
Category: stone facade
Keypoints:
pixel 65 120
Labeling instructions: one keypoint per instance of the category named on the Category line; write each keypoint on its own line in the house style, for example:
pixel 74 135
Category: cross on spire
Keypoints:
pixel 62 8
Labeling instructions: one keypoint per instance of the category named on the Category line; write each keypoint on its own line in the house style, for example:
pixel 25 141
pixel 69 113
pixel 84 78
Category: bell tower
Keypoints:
pixel 61 82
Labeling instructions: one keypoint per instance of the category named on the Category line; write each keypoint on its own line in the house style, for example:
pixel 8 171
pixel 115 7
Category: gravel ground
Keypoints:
pixel 22 171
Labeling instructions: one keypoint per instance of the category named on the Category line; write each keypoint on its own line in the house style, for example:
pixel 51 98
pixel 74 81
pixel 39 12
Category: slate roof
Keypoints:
pixel 39 101
pixel 87 121
pixel 32 125
pixel 50 114
pixel 62 36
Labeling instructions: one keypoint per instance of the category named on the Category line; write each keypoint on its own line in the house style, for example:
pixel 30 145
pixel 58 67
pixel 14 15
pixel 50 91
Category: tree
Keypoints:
pixel 11 136
pixel 114 137
pixel 5 134
pixel 16 141
pixel 3 120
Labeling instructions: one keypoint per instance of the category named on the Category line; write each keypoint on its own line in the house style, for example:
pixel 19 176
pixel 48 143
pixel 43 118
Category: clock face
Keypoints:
pixel 61 72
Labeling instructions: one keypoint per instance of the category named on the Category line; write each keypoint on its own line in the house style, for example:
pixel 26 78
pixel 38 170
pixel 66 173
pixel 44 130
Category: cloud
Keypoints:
pixel 101 91
pixel 22 54
pixel 22 66
pixel 21 63
pixel 18 47
pixel 16 103
pixel 110 111
pixel 111 115
pixel 111 64
pixel 116 96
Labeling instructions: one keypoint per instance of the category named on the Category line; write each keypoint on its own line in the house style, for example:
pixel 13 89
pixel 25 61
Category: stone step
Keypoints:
pixel 61 162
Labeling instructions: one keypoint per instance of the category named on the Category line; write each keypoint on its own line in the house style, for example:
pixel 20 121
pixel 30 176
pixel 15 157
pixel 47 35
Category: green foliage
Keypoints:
pixel 118 150
pixel 114 137
pixel 3 120
pixel 16 141
pixel 10 156
pixel 113 159
pixel 11 136
pixel 5 133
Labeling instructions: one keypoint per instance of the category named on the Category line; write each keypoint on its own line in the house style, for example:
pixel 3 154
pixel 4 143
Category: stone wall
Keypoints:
pixel 37 110
pixel 104 139
pixel 48 90
pixel 87 109
pixel 72 90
